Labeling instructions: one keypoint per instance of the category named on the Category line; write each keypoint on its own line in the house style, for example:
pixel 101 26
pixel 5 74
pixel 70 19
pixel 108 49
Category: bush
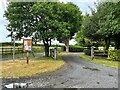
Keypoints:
pixel 87 51
pixel 74 48
pixel 114 55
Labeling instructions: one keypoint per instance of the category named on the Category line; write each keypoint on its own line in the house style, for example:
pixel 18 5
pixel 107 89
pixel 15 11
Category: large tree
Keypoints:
pixel 46 25
pixel 109 22
pixel 70 19
pixel 33 19
pixel 88 34
pixel 20 19
pixel 43 21
pixel 103 24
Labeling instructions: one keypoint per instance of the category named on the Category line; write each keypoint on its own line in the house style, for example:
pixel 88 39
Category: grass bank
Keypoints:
pixel 101 61
pixel 37 65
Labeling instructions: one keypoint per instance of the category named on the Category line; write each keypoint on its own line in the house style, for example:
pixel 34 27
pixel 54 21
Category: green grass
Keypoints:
pixel 101 61
pixel 10 55
pixel 37 65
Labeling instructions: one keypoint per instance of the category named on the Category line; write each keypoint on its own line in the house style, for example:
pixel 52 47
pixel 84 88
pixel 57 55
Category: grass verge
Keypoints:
pixel 10 55
pixel 101 60
pixel 37 65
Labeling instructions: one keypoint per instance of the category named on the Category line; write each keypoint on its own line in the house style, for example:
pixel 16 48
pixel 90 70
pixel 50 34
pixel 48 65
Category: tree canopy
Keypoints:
pixel 71 19
pixel 43 21
pixel 103 24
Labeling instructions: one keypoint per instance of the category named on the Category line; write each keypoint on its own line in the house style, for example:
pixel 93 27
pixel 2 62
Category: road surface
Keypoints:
pixel 77 74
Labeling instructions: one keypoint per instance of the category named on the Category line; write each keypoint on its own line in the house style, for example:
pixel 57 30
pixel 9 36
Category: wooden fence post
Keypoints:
pixel 11 50
pixel 2 50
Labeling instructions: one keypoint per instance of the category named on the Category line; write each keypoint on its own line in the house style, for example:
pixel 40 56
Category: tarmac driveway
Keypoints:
pixel 77 74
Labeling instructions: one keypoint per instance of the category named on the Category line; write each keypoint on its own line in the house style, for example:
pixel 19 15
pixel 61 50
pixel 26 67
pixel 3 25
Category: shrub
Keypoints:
pixel 114 55
pixel 74 48
pixel 87 51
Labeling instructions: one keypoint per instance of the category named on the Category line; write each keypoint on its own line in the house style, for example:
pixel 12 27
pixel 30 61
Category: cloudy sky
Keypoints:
pixel 82 4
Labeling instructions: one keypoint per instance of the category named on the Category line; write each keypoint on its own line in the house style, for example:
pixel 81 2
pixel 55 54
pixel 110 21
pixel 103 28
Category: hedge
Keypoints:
pixel 114 55
pixel 74 48
pixel 10 44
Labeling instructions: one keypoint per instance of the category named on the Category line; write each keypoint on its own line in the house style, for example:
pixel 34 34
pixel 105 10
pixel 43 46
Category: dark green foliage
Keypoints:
pixel 70 18
pixel 114 55
pixel 70 22
pixel 43 21
pixel 10 44
pixel 20 19
pixel 87 51
pixel 6 44
pixel 102 25
pixel 76 49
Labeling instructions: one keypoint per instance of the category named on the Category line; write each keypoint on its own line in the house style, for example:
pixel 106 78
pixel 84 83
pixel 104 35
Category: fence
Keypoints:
pixel 101 53
pixel 10 50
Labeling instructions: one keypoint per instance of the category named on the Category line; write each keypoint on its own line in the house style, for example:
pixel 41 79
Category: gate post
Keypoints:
pixel 92 52
pixel 55 53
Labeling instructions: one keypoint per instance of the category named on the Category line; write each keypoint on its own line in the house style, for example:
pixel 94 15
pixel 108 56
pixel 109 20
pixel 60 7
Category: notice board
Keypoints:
pixel 27 44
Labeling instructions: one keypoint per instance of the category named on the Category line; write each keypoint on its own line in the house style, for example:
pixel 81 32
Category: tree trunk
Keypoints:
pixel 117 41
pixel 107 43
pixel 35 42
pixel 117 44
pixel 67 45
pixel 46 50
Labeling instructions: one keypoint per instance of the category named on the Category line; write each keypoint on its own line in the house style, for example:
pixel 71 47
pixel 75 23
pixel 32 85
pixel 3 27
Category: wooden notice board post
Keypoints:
pixel 27 47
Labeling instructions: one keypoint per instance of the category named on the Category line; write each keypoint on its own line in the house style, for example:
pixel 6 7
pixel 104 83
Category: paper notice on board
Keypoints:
pixel 28 45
